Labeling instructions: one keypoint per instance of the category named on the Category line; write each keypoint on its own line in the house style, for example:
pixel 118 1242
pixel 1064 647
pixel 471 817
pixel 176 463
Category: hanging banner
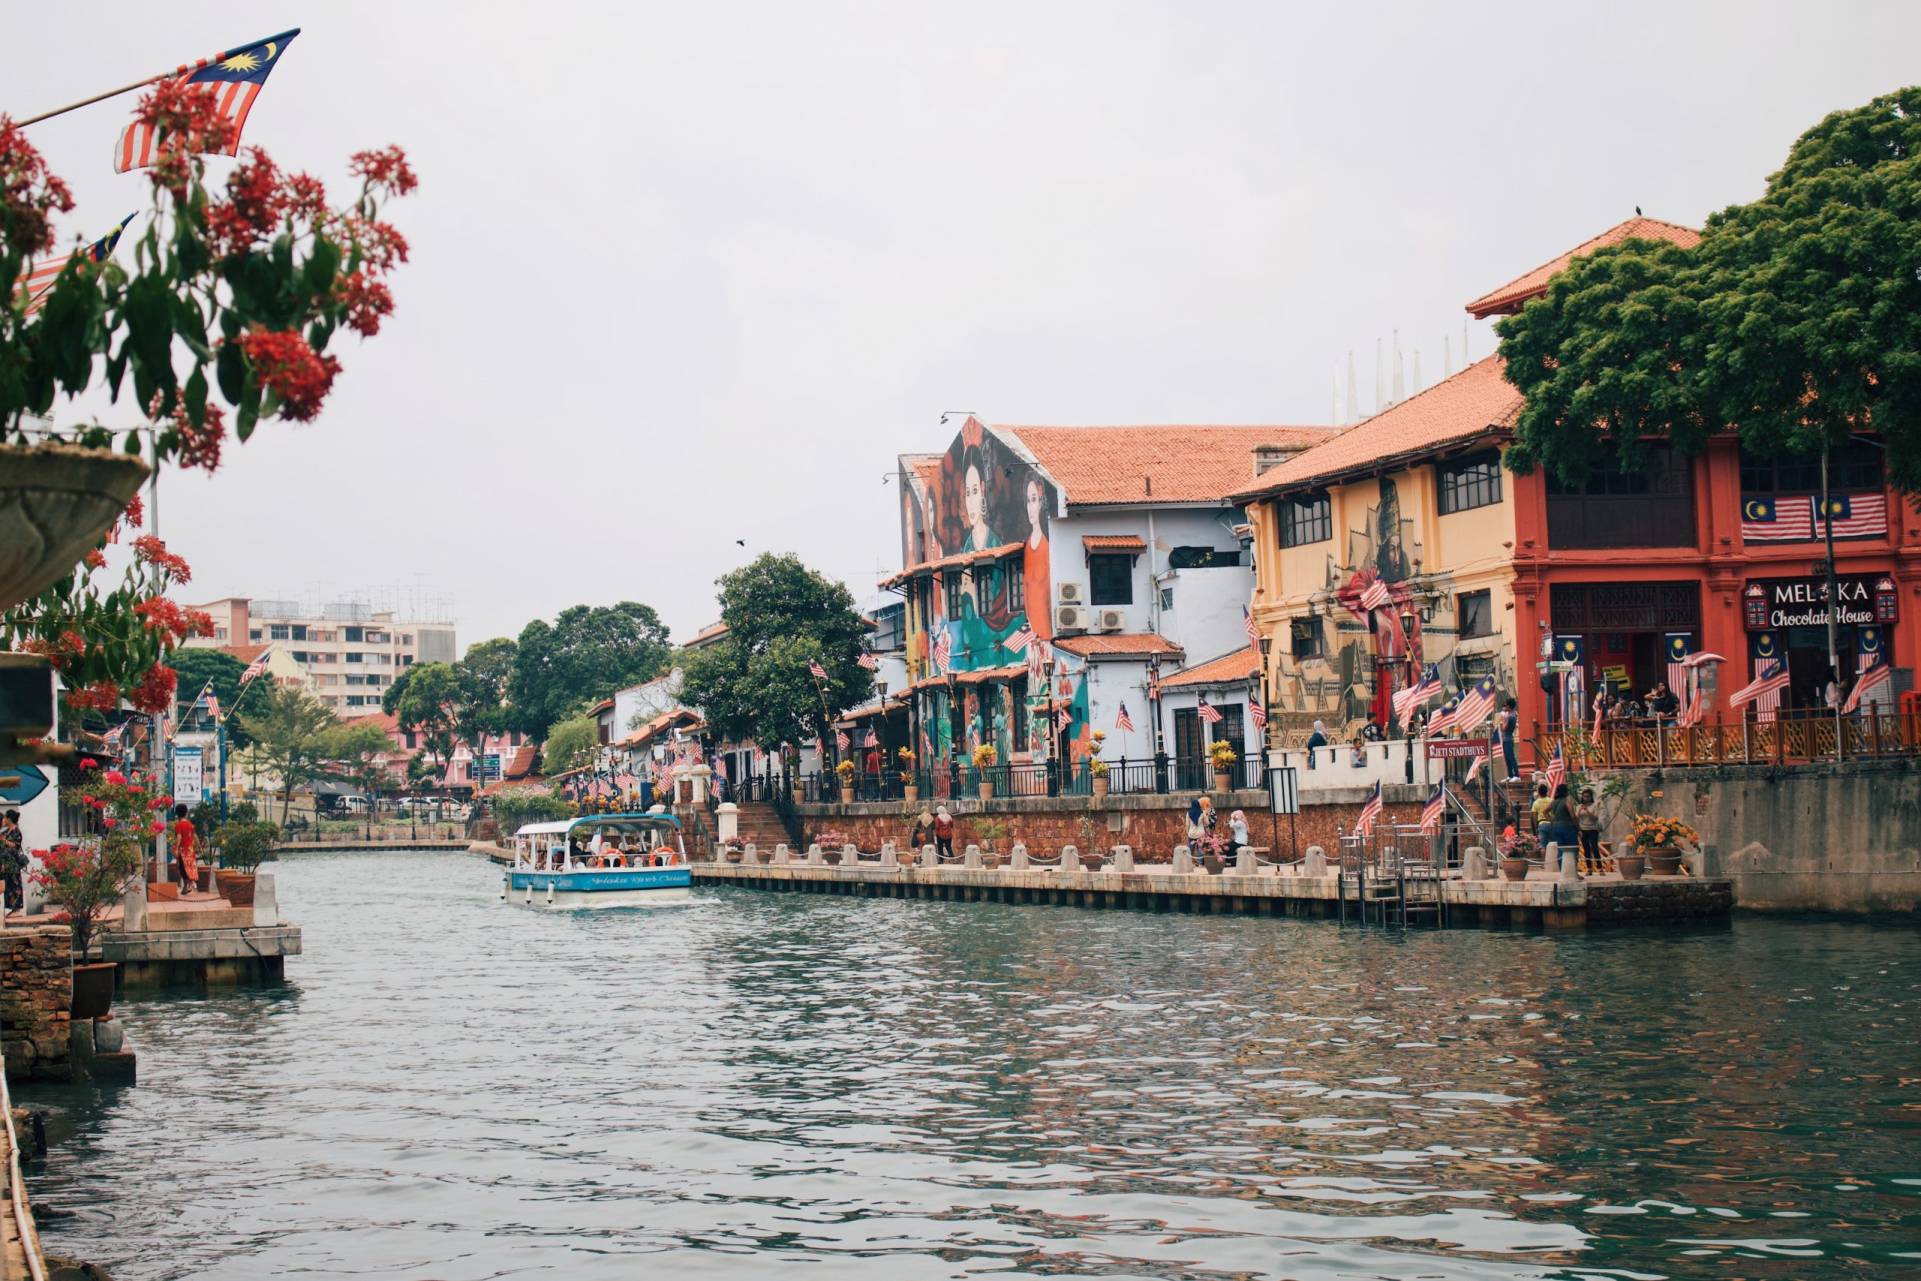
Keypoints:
pixel 187 776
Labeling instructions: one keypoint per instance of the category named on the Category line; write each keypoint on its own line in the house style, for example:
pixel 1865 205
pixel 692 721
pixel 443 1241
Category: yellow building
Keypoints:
pixel 1412 506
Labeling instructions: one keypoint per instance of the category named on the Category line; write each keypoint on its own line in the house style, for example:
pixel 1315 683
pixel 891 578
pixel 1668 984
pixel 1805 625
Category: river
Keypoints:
pixel 764 1085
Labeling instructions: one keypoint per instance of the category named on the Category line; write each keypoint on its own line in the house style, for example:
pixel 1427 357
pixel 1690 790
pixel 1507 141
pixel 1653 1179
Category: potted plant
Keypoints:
pixel 909 789
pixel 1096 767
pixel 1092 860
pixel 845 772
pixel 984 759
pixel 830 843
pixel 1213 852
pixel 243 845
pixel 1222 754
pixel 992 831
pixel 1517 851
pixel 85 878
pixel 1662 841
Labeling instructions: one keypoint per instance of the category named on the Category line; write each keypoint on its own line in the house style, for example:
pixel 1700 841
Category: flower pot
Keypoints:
pixel 1100 787
pixel 1092 861
pixel 1630 866
pixel 987 791
pixel 847 794
pixel 55 503
pixel 1214 863
pixel 832 857
pixel 732 855
pixel 235 887
pixel 910 791
pixel 92 989
pixel 1514 869
pixel 800 796
pixel 990 858
pixel 1220 782
pixel 162 892
pixel 1664 862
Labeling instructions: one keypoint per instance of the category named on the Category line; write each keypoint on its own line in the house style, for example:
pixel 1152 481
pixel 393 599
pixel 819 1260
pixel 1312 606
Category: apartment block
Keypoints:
pixel 350 651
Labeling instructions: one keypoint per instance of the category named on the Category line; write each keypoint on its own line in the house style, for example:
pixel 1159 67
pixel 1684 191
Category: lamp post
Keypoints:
pixel 1053 735
pixel 1834 601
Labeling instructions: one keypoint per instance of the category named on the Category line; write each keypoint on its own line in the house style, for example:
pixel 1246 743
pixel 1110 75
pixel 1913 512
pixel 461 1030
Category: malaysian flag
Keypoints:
pixel 1697 707
pixel 1124 721
pixel 234 79
pixel 1205 710
pixel 1679 645
pixel 1474 767
pixel 1442 721
pixel 868 661
pixel 37 280
pixel 1768 684
pixel 1854 515
pixel 213 706
pixel 1376 596
pixel 1063 717
pixel 841 740
pixel 1020 639
pixel 1871 686
pixel 1256 712
pixel 814 669
pixel 1556 771
pixel 1364 825
pixel 1432 811
pixel 1153 686
pixel 1777 520
pixel 1405 701
pixel 1477 705
pixel 943 650
pixel 256 668
pixel 720 768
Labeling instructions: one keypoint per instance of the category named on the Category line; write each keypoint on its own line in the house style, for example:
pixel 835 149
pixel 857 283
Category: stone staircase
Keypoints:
pixel 760 825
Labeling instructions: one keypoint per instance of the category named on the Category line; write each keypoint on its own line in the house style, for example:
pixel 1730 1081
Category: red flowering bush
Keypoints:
pixel 86 878
pixel 222 316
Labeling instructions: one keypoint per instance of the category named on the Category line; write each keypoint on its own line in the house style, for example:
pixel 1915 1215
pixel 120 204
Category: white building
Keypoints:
pixel 349 651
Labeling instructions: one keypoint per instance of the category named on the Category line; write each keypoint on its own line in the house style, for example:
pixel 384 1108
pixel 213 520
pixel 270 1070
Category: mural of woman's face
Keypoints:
pixel 1034 500
pixel 976 498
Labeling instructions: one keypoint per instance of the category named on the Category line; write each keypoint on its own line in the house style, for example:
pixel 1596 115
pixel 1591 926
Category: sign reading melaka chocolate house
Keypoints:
pixel 1770 603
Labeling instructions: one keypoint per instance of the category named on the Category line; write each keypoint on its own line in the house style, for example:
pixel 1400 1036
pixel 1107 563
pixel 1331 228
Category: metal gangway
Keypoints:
pixel 1393 874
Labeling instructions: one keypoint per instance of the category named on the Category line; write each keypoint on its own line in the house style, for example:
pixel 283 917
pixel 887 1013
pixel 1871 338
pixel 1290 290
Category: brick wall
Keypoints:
pixel 36 999
pixel 1153 825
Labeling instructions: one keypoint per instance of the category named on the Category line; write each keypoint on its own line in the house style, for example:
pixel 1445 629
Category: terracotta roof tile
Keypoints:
pixel 956 561
pixel 1117 643
pixel 521 763
pixel 1476 402
pixel 1113 543
pixel 245 653
pixel 1187 464
pixel 1233 668
pixel 1514 293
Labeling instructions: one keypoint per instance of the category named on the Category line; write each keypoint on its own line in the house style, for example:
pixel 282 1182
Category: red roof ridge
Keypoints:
pixel 1227 669
pixel 1533 281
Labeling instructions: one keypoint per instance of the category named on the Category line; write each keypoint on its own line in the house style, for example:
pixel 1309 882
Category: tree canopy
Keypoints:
pixel 289 728
pixel 754 682
pixel 570 744
pixel 425 701
pixel 195 667
pixel 1796 320
pixel 585 654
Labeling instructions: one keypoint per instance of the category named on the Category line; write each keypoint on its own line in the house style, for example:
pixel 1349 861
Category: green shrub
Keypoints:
pixel 244 846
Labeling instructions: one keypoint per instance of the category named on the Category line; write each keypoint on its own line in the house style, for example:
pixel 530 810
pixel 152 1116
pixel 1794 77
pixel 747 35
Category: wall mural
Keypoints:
pixel 979 495
pixel 1366 656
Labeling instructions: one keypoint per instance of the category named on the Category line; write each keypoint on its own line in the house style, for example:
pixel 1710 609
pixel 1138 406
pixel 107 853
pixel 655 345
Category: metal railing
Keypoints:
pixel 1150 776
pixel 23 1225
pixel 1797 737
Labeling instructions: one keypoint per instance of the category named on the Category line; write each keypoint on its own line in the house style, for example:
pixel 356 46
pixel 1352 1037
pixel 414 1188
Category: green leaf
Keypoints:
pixel 322 266
pixel 197 396
pixel 230 367
pixel 249 411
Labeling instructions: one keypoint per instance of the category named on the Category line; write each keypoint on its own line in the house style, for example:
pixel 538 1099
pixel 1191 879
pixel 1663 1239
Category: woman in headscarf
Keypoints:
pixel 1194 828
pixel 923 833
pixel 1317 739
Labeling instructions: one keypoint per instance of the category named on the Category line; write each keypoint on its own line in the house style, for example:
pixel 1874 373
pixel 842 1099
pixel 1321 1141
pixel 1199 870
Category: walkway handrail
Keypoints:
pixel 17 1193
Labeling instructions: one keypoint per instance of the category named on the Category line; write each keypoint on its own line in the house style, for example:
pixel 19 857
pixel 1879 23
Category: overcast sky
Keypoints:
pixel 686 274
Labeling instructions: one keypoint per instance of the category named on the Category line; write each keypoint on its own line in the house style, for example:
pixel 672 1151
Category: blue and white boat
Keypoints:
pixel 599 860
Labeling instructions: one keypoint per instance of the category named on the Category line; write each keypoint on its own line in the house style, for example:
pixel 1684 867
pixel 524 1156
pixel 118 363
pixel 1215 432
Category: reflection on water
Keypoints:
pixel 759 1085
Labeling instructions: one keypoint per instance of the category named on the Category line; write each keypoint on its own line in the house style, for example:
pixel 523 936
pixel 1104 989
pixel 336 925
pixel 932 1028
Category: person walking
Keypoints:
pixel 922 834
pixel 943 833
pixel 1507 723
pixel 13 862
pixel 184 853
pixel 1587 817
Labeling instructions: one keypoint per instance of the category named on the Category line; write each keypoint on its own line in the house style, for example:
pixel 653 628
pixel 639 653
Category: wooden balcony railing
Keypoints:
pixel 1790 738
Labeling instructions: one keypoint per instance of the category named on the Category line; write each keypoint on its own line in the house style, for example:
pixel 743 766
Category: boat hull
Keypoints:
pixel 612 887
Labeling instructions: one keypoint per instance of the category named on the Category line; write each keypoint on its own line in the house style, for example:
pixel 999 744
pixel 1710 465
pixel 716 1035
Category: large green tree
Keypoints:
pixel 198 666
pixel 755 682
pixel 484 672
pixel 570 744
pixel 353 750
pixel 425 701
pixel 586 653
pixel 1796 320
pixel 290 729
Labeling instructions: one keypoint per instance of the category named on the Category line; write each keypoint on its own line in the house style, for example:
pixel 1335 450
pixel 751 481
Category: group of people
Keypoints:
pixel 1615 709
pixel 603 852
pixel 1203 821
pixel 1563 819
pixel 935 829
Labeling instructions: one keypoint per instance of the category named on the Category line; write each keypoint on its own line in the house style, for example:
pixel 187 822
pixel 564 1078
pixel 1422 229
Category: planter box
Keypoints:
pixel 92 989
pixel 235 887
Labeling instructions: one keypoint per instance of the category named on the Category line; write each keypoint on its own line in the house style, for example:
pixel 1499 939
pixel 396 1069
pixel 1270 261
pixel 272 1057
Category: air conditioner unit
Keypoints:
pixel 1070 618
pixel 1070 593
pixel 1109 620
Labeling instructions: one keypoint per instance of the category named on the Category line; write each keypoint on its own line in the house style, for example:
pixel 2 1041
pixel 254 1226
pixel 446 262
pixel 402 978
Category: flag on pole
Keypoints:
pixel 841 740
pixel 234 79
pixel 1556 771
pixel 815 670
pixel 1477 704
pixel 1772 682
pixel 255 668
pixel 213 707
pixel 943 650
pixel 1854 515
pixel 868 661
pixel 1063 717
pixel 37 279
pixel 1124 721
pixel 1253 636
pixel 1256 713
pixel 1376 596
pixel 1205 710
pixel 1020 639
pixel 1474 767
pixel 1679 645
pixel 1153 686
pixel 1874 681
pixel 1364 825
pixel 1432 811
pixel 1407 700
pixel 872 740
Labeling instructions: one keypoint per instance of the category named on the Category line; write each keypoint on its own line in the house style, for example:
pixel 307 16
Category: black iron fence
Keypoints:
pixel 1158 775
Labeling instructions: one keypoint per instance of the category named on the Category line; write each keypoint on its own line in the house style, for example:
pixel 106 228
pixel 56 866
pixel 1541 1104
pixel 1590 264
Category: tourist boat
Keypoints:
pixel 599 860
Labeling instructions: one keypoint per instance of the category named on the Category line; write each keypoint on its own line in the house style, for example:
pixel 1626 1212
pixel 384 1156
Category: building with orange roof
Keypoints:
pixel 1115 549
pixel 1557 589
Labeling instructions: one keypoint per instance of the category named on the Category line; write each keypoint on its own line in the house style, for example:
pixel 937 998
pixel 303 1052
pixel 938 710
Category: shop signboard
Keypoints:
pixel 1769 604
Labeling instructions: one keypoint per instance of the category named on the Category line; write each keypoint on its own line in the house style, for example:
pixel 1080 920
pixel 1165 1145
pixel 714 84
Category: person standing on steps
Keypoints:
pixel 1507 723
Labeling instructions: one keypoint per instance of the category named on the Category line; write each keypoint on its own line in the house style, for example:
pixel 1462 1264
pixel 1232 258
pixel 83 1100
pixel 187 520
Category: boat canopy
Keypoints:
pixel 595 822
pixel 544 829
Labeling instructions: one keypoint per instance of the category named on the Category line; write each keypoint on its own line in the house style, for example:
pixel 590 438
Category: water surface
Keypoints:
pixel 762 1085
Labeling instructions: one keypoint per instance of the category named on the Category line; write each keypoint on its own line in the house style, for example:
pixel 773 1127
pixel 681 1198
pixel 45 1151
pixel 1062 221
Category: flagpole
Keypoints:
pixel 181 70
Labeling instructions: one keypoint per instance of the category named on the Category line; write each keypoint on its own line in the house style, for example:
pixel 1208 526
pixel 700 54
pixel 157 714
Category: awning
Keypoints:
pixel 959 560
pixel 1113 543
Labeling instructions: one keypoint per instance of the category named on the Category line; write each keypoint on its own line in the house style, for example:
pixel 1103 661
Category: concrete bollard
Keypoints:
pixel 782 854
pixel 1070 857
pixel 1183 859
pixel 929 856
pixel 1474 864
pixel 1018 860
pixel 814 856
pixel 849 855
pixel 133 908
pixel 727 823
pixel 889 855
pixel 1314 863
pixel 971 856
pixel 1571 864
pixel 266 903
pixel 1245 863
pixel 1123 858
pixel 749 854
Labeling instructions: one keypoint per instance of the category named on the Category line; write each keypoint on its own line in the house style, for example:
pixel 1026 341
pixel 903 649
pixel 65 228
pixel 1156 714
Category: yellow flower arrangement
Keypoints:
pixel 985 755
pixel 1652 832
pixel 1222 753
pixel 905 756
pixel 846 771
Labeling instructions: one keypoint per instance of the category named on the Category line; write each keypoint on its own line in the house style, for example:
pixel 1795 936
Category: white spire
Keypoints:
pixel 1380 377
pixel 1466 359
pixel 1353 396
pixel 1447 356
pixel 1400 383
pixel 1417 372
